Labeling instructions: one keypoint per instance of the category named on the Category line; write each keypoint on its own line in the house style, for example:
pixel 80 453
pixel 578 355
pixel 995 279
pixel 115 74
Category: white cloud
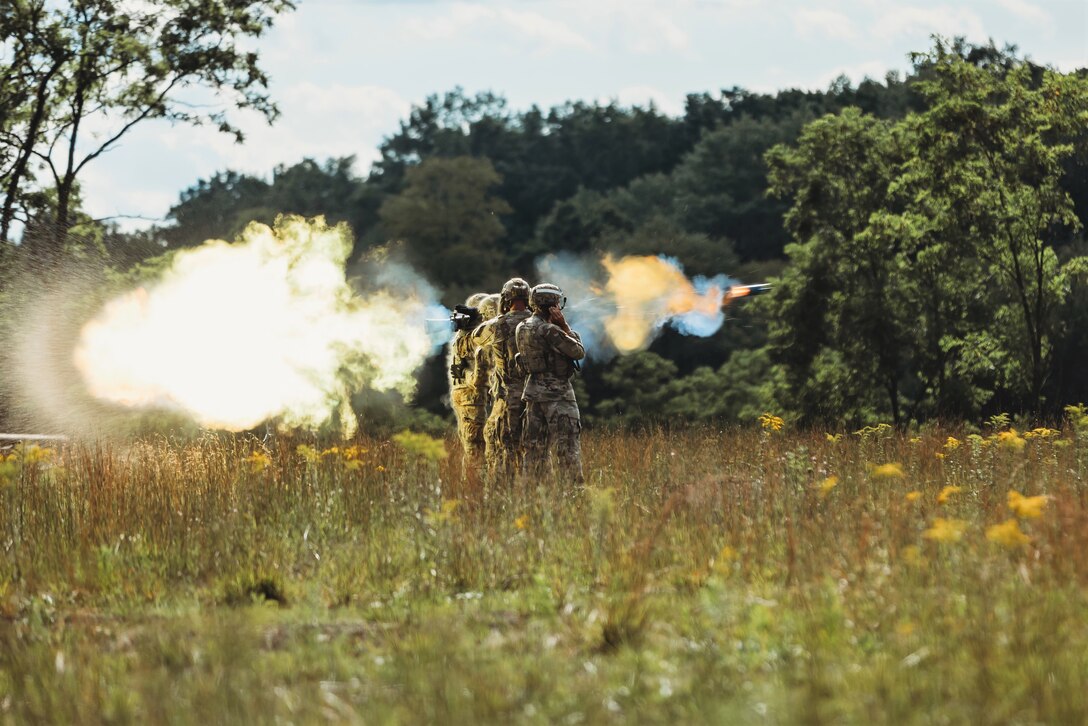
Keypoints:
pixel 644 95
pixel 317 121
pixel 1069 64
pixel 658 32
pixel 129 202
pixel 549 32
pixel 825 23
pixel 481 20
pixel 636 26
pixel 450 25
pixel 918 21
pixel 1027 11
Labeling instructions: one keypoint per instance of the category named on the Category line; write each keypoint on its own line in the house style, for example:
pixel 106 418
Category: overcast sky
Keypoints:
pixel 344 72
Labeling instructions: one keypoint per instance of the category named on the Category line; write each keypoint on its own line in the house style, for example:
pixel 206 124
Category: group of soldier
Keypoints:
pixel 510 384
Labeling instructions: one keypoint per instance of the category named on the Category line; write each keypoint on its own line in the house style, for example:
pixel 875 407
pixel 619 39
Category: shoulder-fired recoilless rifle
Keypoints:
pixel 465 317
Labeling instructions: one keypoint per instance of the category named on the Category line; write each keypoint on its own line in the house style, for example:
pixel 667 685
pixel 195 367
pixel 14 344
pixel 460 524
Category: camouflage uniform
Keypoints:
pixel 552 419
pixel 495 339
pixel 467 397
pixel 502 432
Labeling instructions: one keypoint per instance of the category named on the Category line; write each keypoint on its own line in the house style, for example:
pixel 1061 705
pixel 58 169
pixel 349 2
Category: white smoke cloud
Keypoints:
pixel 234 335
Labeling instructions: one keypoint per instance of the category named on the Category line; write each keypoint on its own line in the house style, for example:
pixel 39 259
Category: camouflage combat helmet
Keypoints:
pixel 476 299
pixel 514 289
pixel 489 307
pixel 546 295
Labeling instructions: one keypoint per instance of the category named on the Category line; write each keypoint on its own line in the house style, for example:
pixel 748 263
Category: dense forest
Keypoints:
pixel 924 234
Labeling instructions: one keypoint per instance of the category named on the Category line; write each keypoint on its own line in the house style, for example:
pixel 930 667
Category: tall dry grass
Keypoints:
pixel 700 574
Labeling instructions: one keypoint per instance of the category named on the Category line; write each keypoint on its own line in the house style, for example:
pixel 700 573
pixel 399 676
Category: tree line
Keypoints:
pixel 924 231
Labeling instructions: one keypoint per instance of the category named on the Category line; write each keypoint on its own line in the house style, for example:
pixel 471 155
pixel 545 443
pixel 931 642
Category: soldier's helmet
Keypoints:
pixel 546 295
pixel 514 289
pixel 476 299
pixel 489 307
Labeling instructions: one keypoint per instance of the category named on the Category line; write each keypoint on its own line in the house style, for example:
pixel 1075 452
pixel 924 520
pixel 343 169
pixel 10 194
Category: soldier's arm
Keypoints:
pixel 482 372
pixel 483 334
pixel 456 363
pixel 568 345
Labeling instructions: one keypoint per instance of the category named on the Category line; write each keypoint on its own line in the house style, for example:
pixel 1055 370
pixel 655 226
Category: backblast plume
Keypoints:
pixel 265 328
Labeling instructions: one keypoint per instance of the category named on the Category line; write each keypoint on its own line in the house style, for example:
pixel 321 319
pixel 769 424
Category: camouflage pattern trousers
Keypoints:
pixel 553 426
pixel 470 429
pixel 502 437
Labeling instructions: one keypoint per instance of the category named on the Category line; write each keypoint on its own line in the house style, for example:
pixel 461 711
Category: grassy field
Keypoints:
pixel 700 576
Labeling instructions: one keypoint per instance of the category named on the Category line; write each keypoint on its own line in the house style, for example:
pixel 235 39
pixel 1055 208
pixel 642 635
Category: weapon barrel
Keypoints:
pixel 736 291
pixel 32 437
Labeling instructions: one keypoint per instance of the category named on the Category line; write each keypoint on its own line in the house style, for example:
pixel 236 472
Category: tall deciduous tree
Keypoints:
pixel 85 72
pixel 986 169
pixel 839 301
pixel 924 260
pixel 449 218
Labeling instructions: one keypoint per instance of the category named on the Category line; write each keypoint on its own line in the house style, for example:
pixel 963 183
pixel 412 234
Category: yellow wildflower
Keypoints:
pixel 945 494
pixel 35 454
pixel 946 530
pixel 905 628
pixel 379 468
pixel 1010 440
pixel 1007 534
pixel 833 438
pixel 940 456
pixel 913 496
pixel 879 430
pixel 331 451
pixel 915 439
pixel 886 471
pixel 1027 507
pixel 522 522
pixel 1077 415
pixel 258 461
pixel 353 453
pixel 421 445
pixel 447 512
pixel 912 555
pixel 308 453
pixel 951 444
pixel 728 554
pixel 9 469
pixel 827 485
pixel 770 422
pixel 1041 433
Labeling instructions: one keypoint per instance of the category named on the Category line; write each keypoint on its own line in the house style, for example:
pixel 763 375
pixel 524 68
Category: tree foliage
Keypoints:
pixel 925 261
pixel 107 65
pixel 449 219
pixel 925 230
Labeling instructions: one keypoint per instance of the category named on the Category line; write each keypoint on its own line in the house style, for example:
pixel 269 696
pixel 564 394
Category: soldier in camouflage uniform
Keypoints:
pixel 467 398
pixel 502 432
pixel 548 350
pixel 489 310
